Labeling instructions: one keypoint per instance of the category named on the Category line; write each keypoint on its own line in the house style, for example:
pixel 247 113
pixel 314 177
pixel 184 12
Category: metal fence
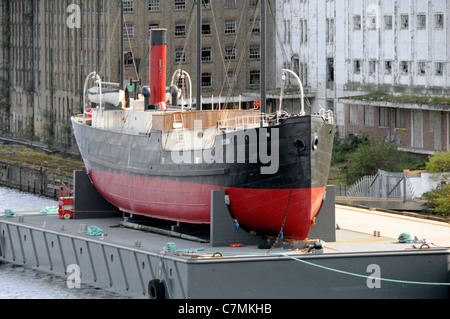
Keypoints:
pixel 383 185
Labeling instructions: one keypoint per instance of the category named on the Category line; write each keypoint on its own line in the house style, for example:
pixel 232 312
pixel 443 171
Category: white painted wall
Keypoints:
pixel 378 44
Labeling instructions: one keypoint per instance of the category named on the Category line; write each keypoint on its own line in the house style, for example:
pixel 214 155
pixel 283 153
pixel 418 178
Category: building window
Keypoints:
pixel 231 80
pixel 230 26
pixel 206 27
pixel 152 26
pixel 128 6
pixel 439 69
pixel 180 29
pixel 254 77
pixel 388 22
pixel 385 116
pixel 404 67
pixel 206 4
pixel 230 3
pixel 153 5
pixel 128 58
pixel 303 30
pixel 128 31
pixel 330 70
pixel 180 55
pixel 388 67
pixel 206 54
pixel 357 22
pixel 368 115
pixel 404 21
pixel 400 118
pixel 372 67
pixel 421 68
pixel 256 25
pixel 353 114
pixel 287 31
pixel 330 31
pixel 255 51
pixel 357 66
pixel 180 4
pixel 206 80
pixel 421 21
pixel 372 22
pixel 439 21
pixel 230 53
pixel 304 73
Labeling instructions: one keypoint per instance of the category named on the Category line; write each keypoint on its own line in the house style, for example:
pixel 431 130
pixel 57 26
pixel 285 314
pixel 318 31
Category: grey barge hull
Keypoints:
pixel 126 260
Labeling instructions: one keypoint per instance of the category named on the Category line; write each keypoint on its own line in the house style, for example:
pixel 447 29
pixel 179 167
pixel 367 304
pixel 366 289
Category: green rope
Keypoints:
pixel 9 213
pixel 405 238
pixel 371 277
pixel 94 231
pixel 344 272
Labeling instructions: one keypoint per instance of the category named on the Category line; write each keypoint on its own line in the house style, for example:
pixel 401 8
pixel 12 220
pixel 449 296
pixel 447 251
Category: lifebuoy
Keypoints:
pixel 156 289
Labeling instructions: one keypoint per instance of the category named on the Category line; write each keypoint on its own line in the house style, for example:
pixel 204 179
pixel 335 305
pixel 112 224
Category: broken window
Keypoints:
pixel 254 77
pixel 421 68
pixel 372 22
pixel 439 68
pixel 206 54
pixel 206 80
pixel 330 70
pixel 180 29
pixel 206 27
pixel 388 67
pixel 404 67
pixel 357 66
pixel 404 21
pixel 439 21
pixel 128 58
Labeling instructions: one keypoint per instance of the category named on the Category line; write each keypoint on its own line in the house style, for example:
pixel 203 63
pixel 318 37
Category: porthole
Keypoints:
pixel 315 143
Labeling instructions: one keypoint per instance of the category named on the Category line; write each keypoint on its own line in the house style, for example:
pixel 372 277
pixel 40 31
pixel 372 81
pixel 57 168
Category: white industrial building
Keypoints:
pixel 382 66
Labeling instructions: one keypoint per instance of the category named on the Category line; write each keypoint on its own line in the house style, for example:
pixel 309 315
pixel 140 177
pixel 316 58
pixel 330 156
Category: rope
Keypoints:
pixel 94 231
pixel 344 272
pixel 368 277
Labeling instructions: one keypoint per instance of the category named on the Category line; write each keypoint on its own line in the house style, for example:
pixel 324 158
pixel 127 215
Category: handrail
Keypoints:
pixel 283 77
pixel 91 75
pixel 244 121
pixel 179 73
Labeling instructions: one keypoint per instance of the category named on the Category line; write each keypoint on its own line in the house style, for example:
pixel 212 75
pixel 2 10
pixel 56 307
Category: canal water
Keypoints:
pixel 18 282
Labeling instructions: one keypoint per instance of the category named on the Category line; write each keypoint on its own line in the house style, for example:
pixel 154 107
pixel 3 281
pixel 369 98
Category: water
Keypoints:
pixel 18 282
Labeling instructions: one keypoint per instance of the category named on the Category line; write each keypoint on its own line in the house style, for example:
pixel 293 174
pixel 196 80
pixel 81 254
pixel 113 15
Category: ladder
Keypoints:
pixel 178 129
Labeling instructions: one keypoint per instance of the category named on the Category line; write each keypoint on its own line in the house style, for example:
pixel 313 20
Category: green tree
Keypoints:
pixel 376 154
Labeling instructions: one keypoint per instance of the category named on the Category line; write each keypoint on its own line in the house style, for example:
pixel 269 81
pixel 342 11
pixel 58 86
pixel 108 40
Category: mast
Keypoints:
pixel 199 55
pixel 263 57
pixel 121 72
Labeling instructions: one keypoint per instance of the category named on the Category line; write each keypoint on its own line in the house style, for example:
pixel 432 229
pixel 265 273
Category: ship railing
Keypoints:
pixel 327 115
pixel 245 122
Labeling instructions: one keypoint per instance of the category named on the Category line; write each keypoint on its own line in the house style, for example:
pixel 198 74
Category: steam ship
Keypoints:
pixel 148 156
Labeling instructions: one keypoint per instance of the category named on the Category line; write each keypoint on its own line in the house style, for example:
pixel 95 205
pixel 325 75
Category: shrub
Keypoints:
pixel 439 163
pixel 438 200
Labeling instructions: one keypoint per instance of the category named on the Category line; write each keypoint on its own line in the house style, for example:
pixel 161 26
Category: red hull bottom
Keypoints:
pixel 260 210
